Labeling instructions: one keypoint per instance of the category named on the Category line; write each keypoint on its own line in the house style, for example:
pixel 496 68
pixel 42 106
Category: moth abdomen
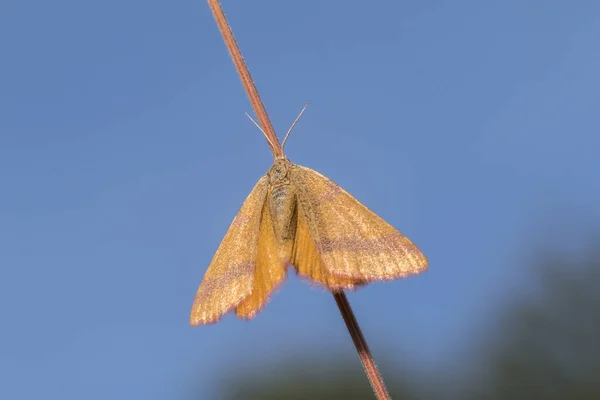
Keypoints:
pixel 279 193
pixel 282 206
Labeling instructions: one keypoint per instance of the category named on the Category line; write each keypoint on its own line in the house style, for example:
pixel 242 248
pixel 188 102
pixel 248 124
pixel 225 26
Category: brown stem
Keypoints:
pixel 364 353
pixel 340 297
pixel 242 69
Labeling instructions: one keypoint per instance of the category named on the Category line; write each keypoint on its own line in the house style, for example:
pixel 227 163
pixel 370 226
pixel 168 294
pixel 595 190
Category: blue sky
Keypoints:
pixel 471 126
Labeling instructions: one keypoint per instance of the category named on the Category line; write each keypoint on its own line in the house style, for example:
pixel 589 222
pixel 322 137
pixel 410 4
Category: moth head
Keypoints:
pixel 279 170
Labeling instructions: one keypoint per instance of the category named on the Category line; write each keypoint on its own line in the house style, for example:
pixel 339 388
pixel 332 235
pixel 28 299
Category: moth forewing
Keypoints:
pixel 308 261
pixel 353 242
pixel 269 269
pixel 228 279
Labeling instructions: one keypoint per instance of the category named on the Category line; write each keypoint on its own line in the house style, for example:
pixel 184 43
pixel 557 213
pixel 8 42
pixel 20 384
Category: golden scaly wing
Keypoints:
pixel 353 242
pixel 308 263
pixel 269 269
pixel 228 279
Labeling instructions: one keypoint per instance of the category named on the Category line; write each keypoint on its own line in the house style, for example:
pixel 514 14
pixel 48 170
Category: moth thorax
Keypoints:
pixel 282 205
pixel 278 173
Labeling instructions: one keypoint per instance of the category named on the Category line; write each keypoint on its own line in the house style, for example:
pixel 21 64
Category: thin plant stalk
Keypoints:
pixel 364 353
pixel 242 69
pixel 366 358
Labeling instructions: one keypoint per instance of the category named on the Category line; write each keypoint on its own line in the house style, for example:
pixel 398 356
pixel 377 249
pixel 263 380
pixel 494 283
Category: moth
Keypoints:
pixel 296 216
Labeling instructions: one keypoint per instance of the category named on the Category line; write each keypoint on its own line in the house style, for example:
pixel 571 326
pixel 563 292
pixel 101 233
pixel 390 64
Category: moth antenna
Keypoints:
pixel 260 129
pixel 293 125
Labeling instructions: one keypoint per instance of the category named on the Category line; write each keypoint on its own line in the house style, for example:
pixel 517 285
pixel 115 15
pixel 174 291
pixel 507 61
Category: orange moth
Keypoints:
pixel 296 216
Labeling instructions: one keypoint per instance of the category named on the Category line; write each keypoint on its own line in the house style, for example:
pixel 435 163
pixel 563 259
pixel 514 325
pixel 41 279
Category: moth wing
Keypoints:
pixel 352 241
pixel 307 260
pixel 269 269
pixel 228 279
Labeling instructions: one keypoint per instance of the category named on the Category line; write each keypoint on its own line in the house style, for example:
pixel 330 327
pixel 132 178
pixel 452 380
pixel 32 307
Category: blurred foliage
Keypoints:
pixel 311 379
pixel 549 345
pixel 545 345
